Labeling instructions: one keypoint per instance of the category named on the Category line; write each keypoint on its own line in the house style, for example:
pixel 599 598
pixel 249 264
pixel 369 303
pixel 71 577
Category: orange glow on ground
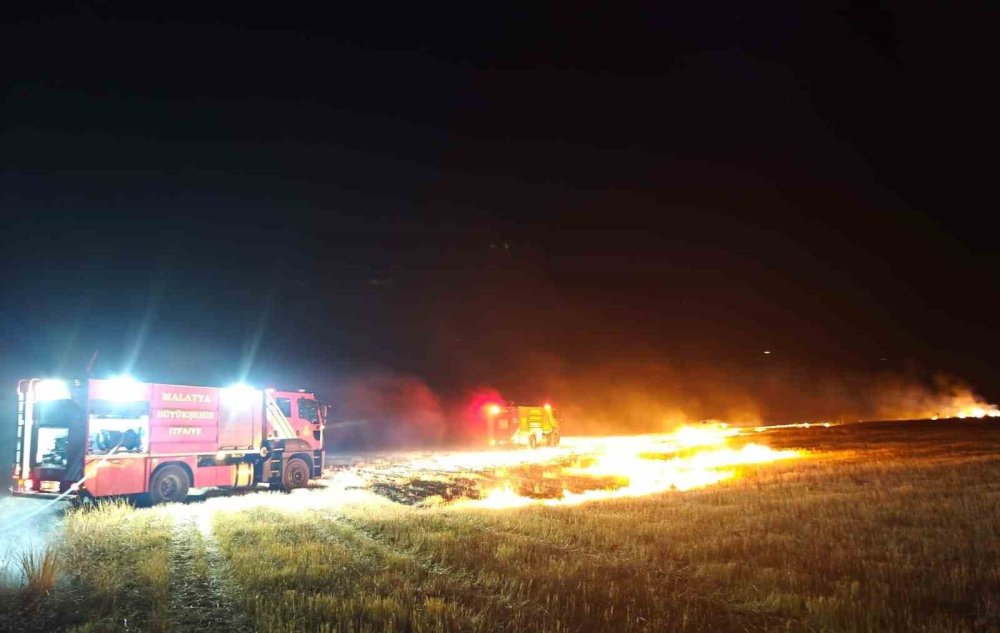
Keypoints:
pixel 614 467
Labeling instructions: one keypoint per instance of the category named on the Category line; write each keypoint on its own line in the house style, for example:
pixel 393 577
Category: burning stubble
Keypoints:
pixel 581 469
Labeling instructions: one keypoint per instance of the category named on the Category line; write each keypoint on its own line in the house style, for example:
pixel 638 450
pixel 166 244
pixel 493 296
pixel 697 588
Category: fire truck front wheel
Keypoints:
pixel 295 475
pixel 169 484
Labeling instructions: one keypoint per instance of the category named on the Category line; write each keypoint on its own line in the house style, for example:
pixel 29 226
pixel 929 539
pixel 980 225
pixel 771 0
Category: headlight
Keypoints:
pixel 239 395
pixel 124 389
pixel 51 389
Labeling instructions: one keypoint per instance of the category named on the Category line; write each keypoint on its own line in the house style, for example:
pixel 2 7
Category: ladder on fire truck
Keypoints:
pixel 22 408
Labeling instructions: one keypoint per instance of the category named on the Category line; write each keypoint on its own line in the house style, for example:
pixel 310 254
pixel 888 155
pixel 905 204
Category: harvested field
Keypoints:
pixel 876 527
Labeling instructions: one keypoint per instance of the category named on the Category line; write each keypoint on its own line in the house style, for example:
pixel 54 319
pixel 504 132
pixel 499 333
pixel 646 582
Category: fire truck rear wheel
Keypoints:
pixel 296 474
pixel 82 500
pixel 554 438
pixel 532 441
pixel 169 484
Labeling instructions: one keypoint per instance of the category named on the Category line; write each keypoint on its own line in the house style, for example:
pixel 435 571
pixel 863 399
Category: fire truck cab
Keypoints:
pixel 522 426
pixel 122 437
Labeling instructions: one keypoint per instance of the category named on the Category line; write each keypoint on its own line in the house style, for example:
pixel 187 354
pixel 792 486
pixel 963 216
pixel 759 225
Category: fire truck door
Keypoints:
pixel 124 475
pixel 240 420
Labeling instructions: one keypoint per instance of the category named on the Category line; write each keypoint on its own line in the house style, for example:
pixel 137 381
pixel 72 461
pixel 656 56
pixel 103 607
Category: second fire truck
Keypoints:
pixel 522 426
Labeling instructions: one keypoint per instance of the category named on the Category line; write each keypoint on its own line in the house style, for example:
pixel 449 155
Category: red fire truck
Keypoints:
pixel 100 438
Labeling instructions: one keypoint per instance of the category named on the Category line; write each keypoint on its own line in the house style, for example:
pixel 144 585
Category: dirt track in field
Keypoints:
pixel 200 592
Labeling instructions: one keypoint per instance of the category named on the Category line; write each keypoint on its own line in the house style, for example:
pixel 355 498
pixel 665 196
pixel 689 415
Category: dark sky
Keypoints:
pixel 467 194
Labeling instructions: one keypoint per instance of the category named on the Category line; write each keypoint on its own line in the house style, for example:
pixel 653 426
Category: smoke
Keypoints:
pixel 651 396
pixel 384 409
pixel 945 397
pixel 660 397
pixel 381 409
pixel 377 409
pixel 25 525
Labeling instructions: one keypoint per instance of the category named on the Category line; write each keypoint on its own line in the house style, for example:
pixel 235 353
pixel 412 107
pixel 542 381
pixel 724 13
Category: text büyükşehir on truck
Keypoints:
pixel 100 438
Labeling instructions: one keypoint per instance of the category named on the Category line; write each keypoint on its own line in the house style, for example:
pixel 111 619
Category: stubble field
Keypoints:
pixel 882 527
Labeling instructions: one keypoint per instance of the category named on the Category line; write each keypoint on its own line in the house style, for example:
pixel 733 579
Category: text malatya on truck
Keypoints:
pixel 100 438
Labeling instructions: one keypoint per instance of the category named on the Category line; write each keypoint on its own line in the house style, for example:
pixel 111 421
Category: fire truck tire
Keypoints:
pixel 169 485
pixel 81 500
pixel 295 475
pixel 532 441
pixel 554 438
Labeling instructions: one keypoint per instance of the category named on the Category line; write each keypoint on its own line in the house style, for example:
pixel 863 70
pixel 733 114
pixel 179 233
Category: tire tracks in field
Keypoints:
pixel 466 582
pixel 712 600
pixel 199 585
pixel 682 573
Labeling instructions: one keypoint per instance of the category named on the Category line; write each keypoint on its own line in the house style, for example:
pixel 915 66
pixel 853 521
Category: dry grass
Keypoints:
pixel 898 533
pixel 311 572
pixel 117 562
pixel 39 569
pixel 886 528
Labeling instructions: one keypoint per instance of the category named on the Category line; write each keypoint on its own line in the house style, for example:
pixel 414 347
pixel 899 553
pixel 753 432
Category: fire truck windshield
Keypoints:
pixel 308 410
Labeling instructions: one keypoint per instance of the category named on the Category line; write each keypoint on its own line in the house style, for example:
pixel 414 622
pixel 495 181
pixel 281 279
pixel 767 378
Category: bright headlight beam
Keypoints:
pixel 239 395
pixel 124 389
pixel 51 389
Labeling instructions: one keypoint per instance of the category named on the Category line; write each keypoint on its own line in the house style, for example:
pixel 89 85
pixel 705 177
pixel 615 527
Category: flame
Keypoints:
pixel 796 425
pixel 717 434
pixel 978 411
pixel 949 400
pixel 595 468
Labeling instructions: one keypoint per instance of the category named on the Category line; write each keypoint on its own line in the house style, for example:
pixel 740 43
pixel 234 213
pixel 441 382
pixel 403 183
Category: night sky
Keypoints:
pixel 493 195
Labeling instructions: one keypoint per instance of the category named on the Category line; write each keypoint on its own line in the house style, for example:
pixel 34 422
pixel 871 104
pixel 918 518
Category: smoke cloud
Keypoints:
pixel 26 525
pixel 377 409
pixel 660 397
pixel 387 409
pixel 946 397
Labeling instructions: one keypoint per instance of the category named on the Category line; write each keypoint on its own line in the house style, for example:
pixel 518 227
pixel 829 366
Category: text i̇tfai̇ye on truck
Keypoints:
pixel 122 437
